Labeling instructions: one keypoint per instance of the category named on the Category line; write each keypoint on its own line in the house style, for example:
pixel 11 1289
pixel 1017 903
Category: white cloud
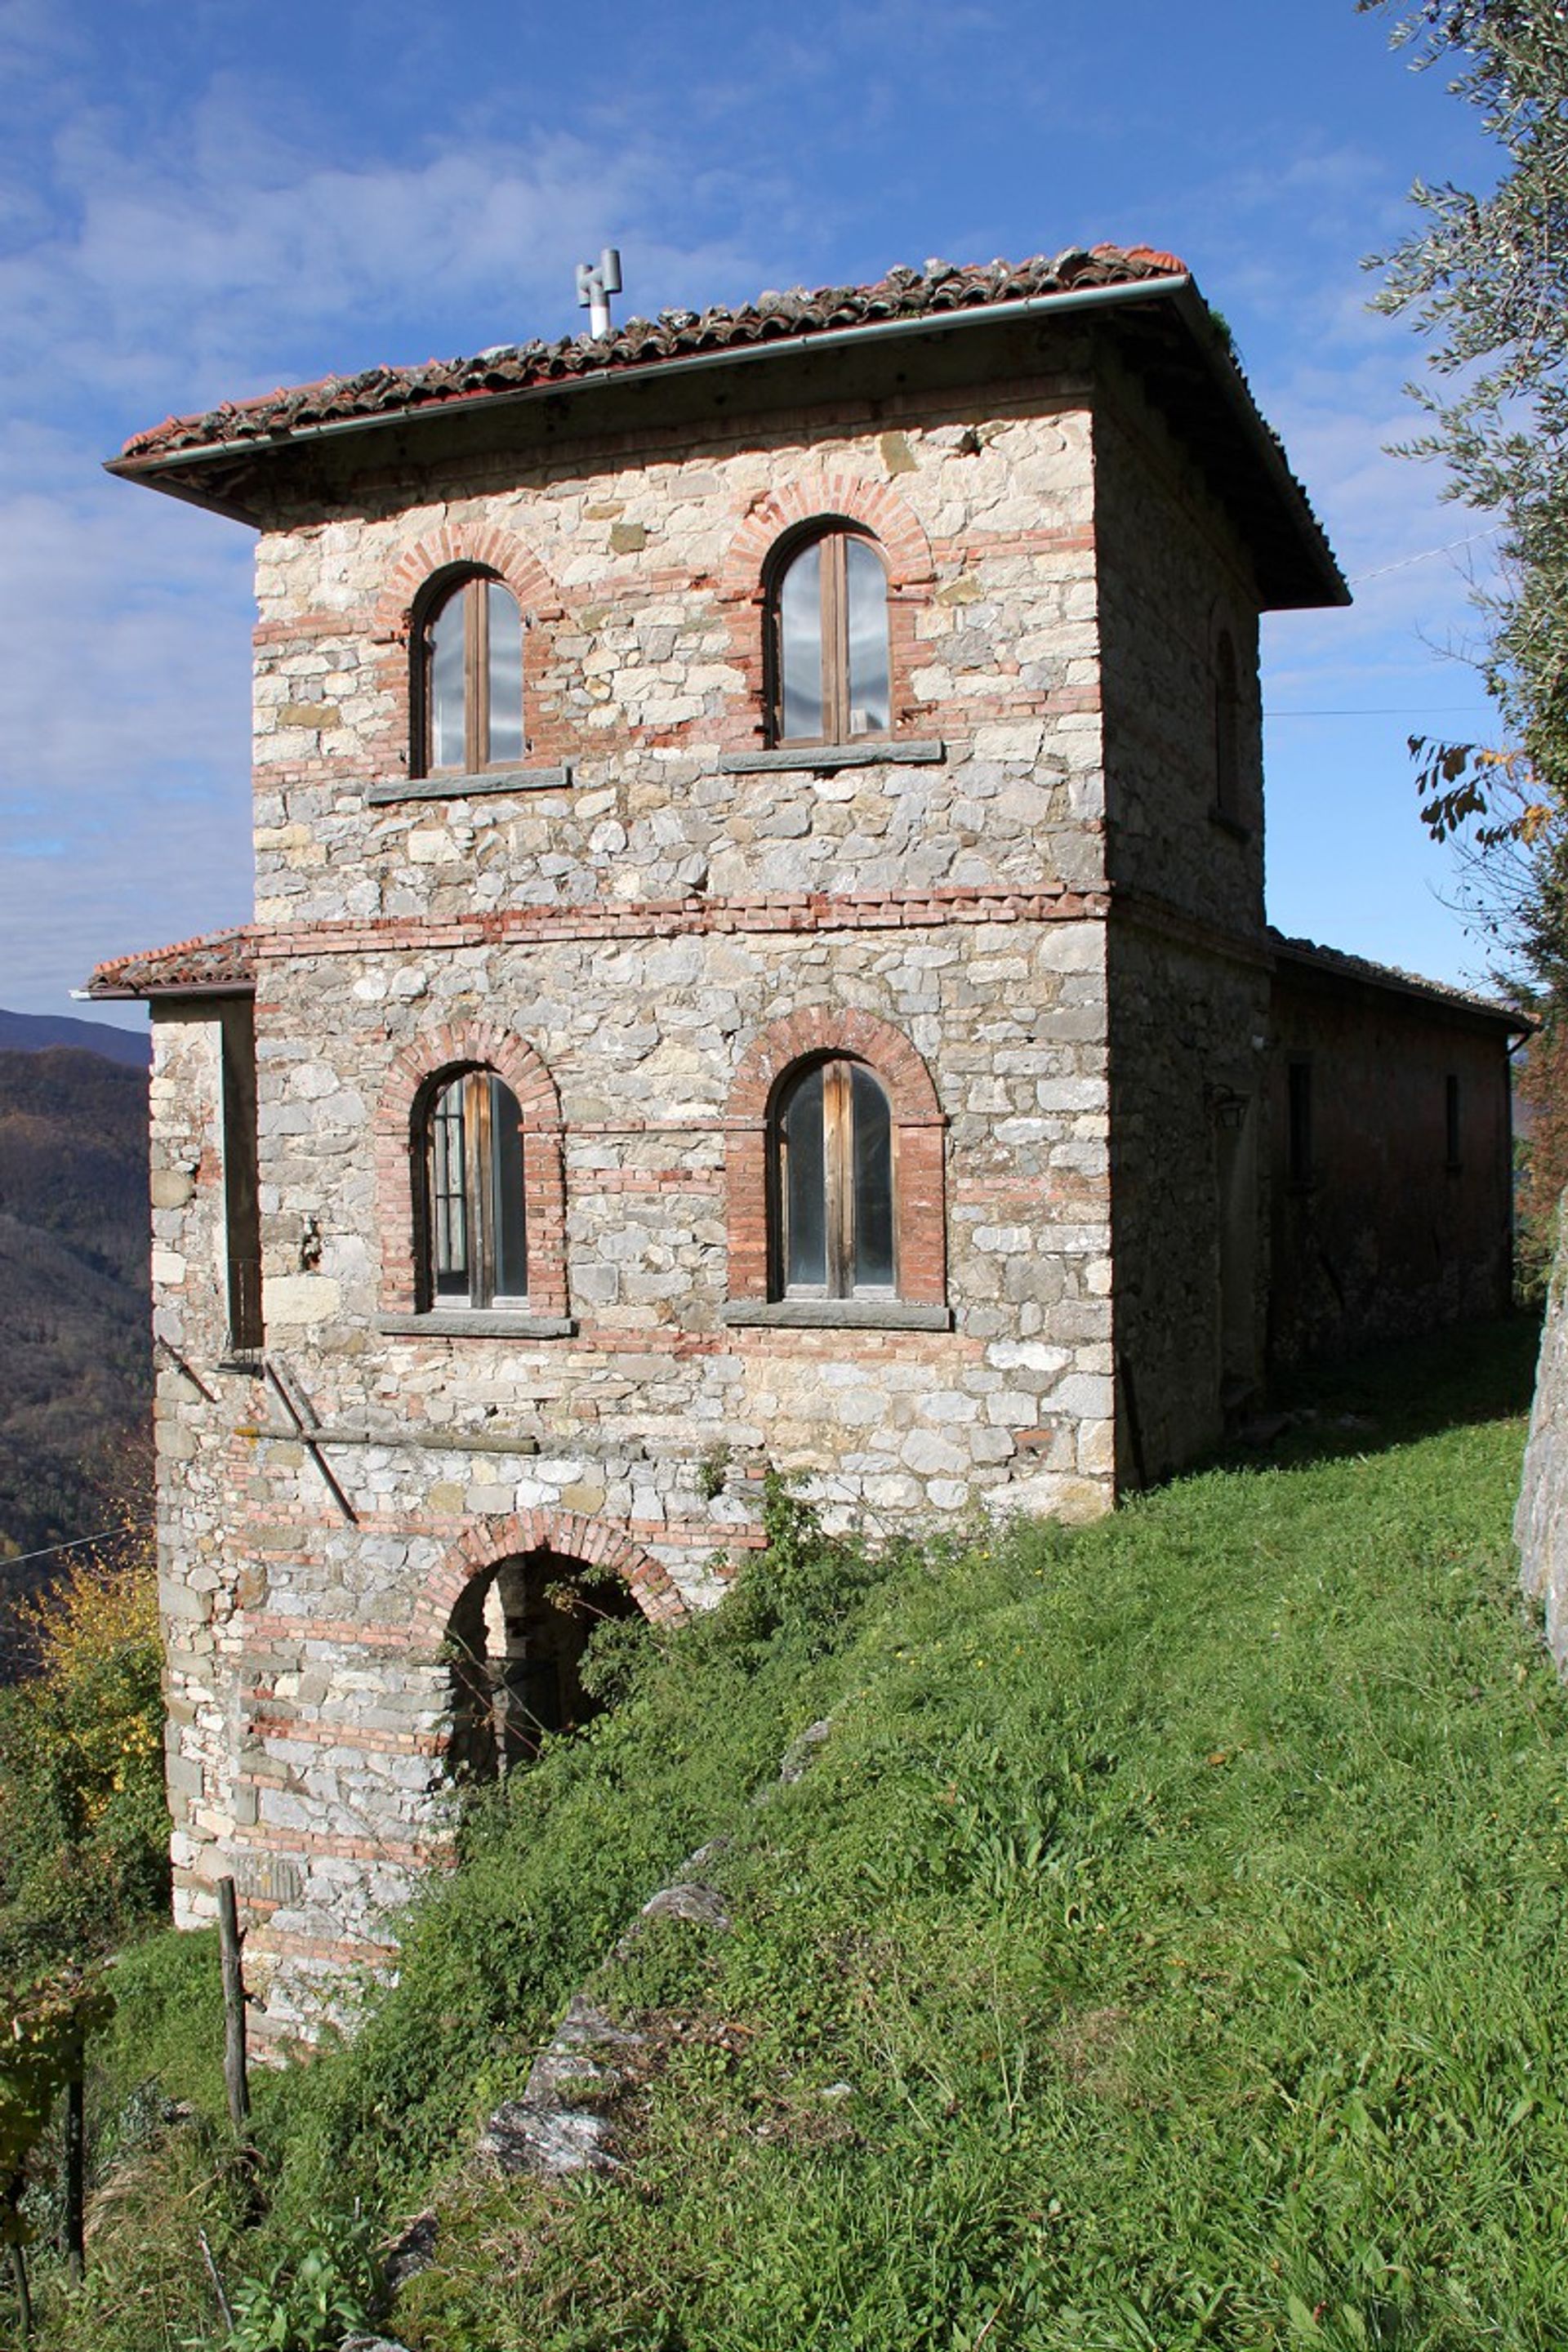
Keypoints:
pixel 176 272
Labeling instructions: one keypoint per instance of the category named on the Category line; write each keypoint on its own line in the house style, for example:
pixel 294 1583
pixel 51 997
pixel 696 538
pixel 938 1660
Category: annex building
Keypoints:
pixel 759 957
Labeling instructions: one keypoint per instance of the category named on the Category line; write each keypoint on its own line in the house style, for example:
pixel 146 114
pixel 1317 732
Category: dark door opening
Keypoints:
pixel 516 1641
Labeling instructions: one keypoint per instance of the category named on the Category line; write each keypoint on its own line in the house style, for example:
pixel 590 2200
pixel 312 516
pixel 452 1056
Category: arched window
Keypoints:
pixel 834 1188
pixel 477 1240
pixel 831 679
pixel 468 681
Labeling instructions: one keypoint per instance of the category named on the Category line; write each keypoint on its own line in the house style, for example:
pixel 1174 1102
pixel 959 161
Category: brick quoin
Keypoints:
pixel 416 1071
pixel 919 1125
pixel 591 1543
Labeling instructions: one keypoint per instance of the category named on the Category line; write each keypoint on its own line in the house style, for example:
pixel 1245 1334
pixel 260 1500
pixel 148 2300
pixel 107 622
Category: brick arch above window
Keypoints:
pixel 417 1069
pixel 813 1033
pixel 458 547
pixel 591 1543
pixel 821 497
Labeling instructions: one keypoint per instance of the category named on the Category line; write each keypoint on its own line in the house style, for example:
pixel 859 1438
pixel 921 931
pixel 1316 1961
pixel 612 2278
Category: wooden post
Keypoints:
pixel 24 2300
pixel 236 2080
pixel 76 2179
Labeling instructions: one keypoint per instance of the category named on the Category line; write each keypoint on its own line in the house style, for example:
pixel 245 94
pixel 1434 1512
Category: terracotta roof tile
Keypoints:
pixel 217 962
pixel 904 293
pixel 1337 964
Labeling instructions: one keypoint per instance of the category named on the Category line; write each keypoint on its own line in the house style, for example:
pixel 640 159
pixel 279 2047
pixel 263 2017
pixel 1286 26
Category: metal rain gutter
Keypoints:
pixel 1179 289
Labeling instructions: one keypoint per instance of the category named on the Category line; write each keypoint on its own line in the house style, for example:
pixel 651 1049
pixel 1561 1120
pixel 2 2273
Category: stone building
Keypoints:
pixel 759 956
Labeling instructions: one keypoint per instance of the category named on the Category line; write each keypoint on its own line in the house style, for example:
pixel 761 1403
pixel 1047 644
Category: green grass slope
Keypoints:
pixel 1165 1949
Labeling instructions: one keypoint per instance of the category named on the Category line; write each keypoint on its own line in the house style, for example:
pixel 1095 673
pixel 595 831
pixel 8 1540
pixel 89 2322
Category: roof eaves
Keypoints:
pixel 1337 964
pixel 213 963
pixel 135 465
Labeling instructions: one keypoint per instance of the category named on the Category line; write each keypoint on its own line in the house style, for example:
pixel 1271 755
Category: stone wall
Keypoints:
pixel 632 929
pixel 1174 577
pixel 1189 1113
pixel 1387 1230
pixel 640 576
pixel 1188 992
pixel 1541 1522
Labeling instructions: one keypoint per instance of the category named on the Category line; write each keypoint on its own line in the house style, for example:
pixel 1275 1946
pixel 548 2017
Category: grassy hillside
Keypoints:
pixel 75 1360
pixel 1164 1948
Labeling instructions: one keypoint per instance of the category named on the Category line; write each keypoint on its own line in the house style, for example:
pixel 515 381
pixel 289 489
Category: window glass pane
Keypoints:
pixel 865 589
pixel 446 685
pixel 506 1192
pixel 505 677
pixel 800 645
pixel 448 1206
pixel 804 1184
pixel 873 1185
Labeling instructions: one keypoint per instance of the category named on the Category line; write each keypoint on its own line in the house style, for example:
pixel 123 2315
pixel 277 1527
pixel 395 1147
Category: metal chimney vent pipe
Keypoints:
pixel 595 286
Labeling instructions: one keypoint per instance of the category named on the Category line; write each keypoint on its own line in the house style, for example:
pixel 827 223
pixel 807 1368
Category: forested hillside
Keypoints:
pixel 75 1367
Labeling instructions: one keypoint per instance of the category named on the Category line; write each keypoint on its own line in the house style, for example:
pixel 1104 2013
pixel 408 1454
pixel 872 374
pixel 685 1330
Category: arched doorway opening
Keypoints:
pixel 515 1640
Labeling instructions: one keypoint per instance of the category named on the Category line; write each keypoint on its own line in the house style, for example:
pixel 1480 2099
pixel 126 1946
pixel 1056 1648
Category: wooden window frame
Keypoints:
pixel 838 1181
pixel 832 539
pixel 479 1208
pixel 473 589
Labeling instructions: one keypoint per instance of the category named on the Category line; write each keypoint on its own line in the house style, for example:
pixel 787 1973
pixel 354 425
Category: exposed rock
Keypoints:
pixel 412 2250
pixel 561 2123
pixel 800 1752
pixel 1541 1522
pixel 691 1901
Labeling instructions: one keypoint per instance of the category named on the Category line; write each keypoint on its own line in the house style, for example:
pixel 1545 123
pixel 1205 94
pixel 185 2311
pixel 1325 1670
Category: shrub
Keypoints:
pixel 83 1823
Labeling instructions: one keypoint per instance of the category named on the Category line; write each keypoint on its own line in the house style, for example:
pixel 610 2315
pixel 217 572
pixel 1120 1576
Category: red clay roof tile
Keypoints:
pixel 643 342
pixel 216 963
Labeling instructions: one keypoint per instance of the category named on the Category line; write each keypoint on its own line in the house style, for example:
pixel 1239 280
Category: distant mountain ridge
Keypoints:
pixel 75 1300
pixel 35 1032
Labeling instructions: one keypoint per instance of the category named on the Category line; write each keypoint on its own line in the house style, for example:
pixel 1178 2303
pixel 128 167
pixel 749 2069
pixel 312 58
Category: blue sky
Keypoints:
pixel 202 202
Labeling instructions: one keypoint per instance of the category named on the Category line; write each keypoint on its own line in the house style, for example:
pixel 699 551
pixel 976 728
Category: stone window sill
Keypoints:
pixel 837 1314
pixel 1228 824
pixel 477 1323
pixel 463 788
pixel 824 759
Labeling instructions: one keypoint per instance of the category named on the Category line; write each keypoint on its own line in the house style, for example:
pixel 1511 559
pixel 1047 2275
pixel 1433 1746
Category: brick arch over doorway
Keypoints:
pixel 917 1119
pixel 589 1543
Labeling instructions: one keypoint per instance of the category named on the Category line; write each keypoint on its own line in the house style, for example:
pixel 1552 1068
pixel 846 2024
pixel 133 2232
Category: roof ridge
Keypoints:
pixel 772 315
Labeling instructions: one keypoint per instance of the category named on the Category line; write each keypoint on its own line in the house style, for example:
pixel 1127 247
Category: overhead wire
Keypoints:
pixel 50 1551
